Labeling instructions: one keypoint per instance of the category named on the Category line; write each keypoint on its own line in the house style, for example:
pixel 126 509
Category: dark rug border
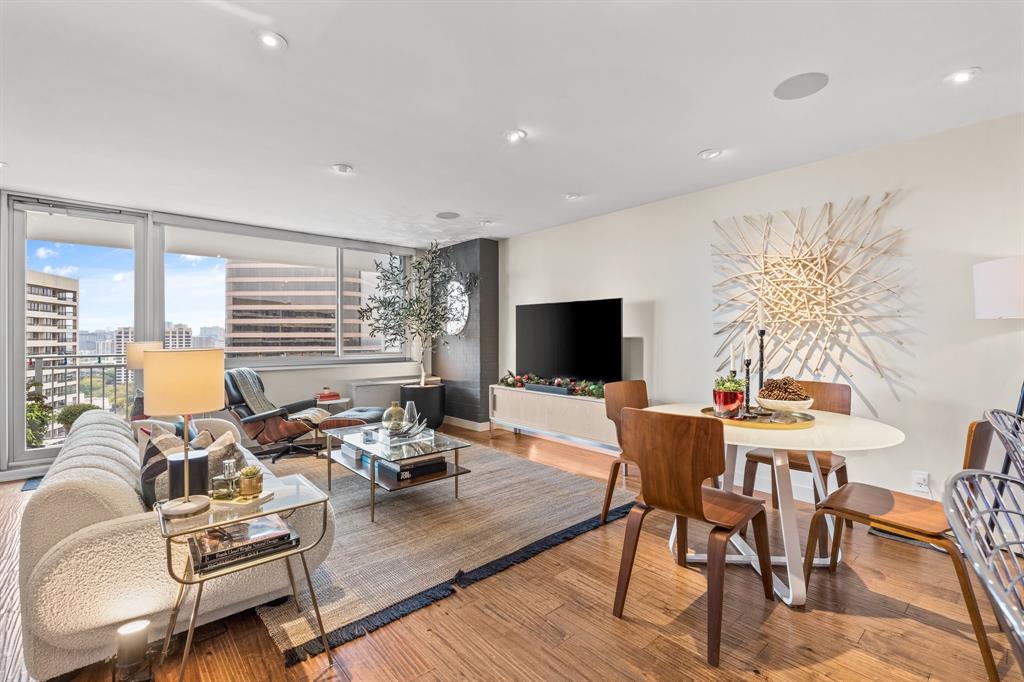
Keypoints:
pixel 463 579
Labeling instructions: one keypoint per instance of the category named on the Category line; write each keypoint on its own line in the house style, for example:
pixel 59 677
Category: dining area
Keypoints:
pixel 687 459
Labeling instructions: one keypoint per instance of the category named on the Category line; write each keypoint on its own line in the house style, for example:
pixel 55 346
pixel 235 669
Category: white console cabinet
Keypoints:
pixel 552 414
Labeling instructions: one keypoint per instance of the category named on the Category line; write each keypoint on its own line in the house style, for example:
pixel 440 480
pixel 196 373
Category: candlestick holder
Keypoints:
pixel 746 391
pixel 760 358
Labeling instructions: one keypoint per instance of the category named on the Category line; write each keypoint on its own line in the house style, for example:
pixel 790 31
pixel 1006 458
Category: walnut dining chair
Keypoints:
pixel 828 397
pixel 675 455
pixel 617 395
pixel 910 516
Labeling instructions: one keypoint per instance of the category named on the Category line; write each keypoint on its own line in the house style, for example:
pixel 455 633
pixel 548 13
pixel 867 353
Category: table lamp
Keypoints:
pixel 999 294
pixel 135 349
pixel 183 382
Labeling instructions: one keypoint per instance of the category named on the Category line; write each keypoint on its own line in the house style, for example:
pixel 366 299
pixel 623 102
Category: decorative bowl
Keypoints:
pixel 785 405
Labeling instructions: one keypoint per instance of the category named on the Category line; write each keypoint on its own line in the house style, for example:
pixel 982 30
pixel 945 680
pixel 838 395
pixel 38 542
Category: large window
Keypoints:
pixel 265 299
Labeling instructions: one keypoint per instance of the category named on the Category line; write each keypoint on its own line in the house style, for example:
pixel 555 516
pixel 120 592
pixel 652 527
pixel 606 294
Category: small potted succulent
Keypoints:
pixel 250 481
pixel 728 395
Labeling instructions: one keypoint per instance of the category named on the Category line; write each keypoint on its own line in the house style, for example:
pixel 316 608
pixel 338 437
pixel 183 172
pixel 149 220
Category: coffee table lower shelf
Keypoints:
pixel 356 465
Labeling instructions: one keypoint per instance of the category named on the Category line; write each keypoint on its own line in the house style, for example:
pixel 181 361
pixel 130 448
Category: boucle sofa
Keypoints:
pixel 92 557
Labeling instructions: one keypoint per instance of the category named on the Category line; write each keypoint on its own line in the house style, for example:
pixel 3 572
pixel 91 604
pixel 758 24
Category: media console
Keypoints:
pixel 550 414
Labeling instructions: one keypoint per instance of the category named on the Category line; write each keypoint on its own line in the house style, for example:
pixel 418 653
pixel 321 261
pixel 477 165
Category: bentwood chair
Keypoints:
pixel 617 395
pixel 907 515
pixel 675 455
pixel 986 512
pixel 828 397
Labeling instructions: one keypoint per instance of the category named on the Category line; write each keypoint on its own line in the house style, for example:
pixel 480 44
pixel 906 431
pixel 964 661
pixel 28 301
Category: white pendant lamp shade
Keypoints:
pixel 134 351
pixel 999 289
pixel 184 381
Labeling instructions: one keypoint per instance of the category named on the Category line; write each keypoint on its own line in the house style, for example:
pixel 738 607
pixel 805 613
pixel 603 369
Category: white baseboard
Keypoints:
pixel 23 473
pixel 466 424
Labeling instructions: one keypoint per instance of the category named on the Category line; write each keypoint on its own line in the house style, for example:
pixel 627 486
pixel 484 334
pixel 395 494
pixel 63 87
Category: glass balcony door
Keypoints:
pixel 71 308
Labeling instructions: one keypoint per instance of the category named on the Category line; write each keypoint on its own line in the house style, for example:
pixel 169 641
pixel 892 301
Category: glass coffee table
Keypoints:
pixel 361 458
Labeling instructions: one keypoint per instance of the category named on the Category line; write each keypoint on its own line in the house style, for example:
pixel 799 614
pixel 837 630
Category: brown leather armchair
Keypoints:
pixel 272 428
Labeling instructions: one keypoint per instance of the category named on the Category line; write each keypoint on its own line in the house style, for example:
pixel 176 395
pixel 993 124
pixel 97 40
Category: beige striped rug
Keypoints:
pixel 425 539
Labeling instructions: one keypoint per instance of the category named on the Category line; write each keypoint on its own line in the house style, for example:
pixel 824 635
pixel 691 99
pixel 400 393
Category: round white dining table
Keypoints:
pixel 831 432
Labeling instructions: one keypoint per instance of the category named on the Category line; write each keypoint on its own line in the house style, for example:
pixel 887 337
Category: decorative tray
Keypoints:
pixel 800 420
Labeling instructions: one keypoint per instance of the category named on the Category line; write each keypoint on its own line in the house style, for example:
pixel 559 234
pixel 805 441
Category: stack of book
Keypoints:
pixel 407 470
pixel 225 546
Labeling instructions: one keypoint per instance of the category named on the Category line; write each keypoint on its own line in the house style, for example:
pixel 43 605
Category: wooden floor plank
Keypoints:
pixel 891 612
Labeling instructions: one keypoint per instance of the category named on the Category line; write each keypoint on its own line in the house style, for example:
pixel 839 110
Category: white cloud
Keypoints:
pixel 64 271
pixel 120 276
pixel 188 258
pixel 42 253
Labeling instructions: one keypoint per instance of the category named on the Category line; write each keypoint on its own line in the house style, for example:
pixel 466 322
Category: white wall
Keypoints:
pixel 962 202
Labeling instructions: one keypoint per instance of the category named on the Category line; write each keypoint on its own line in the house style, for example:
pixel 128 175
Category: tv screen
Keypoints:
pixel 578 339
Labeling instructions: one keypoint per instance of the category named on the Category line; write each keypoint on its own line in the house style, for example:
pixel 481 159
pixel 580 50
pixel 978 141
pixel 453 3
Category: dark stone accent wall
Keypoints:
pixel 469 363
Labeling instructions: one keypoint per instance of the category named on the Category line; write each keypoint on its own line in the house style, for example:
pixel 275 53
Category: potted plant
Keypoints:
pixel 250 481
pixel 416 303
pixel 67 415
pixel 728 395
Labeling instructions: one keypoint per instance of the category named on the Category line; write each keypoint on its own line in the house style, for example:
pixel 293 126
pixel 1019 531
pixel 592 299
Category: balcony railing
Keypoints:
pixel 62 380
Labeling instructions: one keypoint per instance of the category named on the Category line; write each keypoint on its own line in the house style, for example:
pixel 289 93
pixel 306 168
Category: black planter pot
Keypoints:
pixel 429 401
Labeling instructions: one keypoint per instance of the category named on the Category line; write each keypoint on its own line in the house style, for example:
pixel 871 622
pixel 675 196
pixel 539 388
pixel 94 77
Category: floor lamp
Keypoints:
pixel 999 295
pixel 183 382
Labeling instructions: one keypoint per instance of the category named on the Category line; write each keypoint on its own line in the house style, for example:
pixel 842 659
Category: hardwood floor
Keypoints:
pixel 891 612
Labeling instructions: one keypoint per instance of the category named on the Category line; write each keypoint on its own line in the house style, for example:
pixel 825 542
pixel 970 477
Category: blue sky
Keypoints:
pixel 194 289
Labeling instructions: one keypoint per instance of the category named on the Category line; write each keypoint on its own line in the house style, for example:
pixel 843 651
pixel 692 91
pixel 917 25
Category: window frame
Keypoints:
pixel 340 245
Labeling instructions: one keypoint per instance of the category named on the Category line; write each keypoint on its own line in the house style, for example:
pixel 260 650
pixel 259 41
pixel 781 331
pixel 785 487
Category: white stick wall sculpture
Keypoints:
pixel 823 280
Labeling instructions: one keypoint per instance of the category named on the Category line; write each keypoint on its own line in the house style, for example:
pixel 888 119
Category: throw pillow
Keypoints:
pixel 162 443
pixel 138 406
pixel 222 449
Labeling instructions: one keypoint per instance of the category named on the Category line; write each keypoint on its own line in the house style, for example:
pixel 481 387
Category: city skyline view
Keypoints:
pixel 194 284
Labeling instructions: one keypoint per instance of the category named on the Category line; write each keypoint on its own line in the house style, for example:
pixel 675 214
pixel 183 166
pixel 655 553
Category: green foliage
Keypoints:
pixel 729 383
pixel 38 414
pixel 414 303
pixel 251 471
pixel 67 415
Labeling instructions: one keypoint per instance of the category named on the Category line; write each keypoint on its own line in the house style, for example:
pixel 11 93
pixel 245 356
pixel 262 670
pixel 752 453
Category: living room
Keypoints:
pixel 496 340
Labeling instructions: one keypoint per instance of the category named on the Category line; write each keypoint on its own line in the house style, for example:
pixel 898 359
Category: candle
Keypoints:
pixel 761 317
pixel 748 348
pixel 132 639
pixel 732 358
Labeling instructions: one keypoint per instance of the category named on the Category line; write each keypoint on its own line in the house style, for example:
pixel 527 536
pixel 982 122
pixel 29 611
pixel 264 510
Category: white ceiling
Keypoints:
pixel 174 105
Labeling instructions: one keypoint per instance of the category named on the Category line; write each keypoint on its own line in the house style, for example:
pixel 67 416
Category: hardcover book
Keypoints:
pixel 245 539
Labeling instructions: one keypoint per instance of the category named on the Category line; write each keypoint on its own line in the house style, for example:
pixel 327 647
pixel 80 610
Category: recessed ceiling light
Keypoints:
pixel 801 85
pixel 963 75
pixel 515 136
pixel 572 196
pixel 485 223
pixel 447 215
pixel 272 41
pixel 342 168
pixel 709 153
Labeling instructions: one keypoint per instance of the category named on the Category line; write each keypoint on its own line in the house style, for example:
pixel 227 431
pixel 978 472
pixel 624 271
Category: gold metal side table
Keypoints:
pixel 290 494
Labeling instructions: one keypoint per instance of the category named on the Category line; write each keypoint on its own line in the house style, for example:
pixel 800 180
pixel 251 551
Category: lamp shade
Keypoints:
pixel 184 381
pixel 134 350
pixel 999 289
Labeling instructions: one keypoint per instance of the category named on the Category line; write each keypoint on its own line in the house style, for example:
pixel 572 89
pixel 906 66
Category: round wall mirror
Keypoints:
pixel 459 301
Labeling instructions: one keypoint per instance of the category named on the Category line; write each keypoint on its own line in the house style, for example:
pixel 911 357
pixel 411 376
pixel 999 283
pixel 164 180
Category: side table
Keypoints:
pixel 290 494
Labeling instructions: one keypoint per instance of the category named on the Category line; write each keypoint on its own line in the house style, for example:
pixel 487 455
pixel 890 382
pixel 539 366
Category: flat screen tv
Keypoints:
pixel 578 339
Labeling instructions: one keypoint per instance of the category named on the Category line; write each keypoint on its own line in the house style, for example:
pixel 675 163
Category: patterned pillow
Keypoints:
pixel 162 443
pixel 222 449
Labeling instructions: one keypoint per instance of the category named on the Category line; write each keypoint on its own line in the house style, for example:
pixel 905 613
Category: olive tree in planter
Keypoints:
pixel 419 303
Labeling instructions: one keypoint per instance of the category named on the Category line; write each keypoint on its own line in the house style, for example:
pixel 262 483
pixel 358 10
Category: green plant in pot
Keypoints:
pixel 419 303
pixel 67 415
pixel 728 395
pixel 250 481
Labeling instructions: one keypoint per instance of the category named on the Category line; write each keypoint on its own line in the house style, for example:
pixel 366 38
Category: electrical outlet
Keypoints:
pixel 919 482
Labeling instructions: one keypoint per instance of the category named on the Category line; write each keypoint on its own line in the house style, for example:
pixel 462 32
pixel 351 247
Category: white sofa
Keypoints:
pixel 92 559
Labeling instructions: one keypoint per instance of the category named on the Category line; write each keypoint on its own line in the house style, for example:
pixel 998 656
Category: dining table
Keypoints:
pixel 830 431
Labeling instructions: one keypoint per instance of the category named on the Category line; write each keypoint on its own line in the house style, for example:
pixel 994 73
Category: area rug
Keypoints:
pixel 425 541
